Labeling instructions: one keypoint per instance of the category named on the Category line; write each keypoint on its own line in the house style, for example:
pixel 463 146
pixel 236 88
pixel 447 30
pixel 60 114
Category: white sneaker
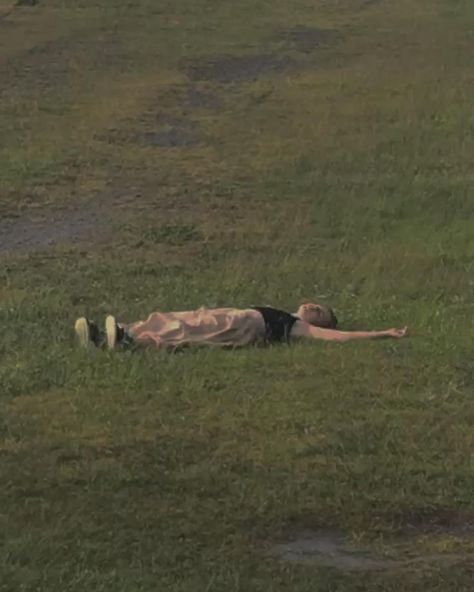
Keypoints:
pixel 87 333
pixel 117 335
pixel 111 330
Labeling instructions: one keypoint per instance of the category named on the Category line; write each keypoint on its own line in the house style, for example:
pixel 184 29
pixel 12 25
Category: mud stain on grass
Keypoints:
pixel 49 230
pixel 162 131
pixel 38 69
pixel 10 9
pixel 195 98
pixel 443 521
pixel 171 132
pixel 370 3
pixel 227 69
pixel 55 64
pixel 236 69
pixel 329 549
pixel 308 39
pixel 138 214
pixel 45 228
pixel 174 137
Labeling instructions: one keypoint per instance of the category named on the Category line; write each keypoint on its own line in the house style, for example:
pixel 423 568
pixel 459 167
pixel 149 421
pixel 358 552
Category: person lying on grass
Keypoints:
pixel 224 327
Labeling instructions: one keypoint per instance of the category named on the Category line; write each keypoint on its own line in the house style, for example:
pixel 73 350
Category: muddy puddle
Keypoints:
pixel 329 549
pixel 326 548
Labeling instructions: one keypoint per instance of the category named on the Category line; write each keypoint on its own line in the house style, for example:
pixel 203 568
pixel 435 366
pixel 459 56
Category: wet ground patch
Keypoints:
pixel 5 12
pixel 329 549
pixel 161 131
pixel 308 39
pixel 182 134
pixel 369 3
pixel 45 228
pixel 228 69
pixel 54 64
pixel 423 540
pixel 38 69
pixel 196 98
pixel 444 521
pixel 187 97
pixel 49 229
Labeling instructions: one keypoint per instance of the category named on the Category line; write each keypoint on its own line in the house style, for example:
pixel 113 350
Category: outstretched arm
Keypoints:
pixel 302 329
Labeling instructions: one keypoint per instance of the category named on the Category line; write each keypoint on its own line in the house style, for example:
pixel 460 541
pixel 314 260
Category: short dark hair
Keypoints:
pixel 319 315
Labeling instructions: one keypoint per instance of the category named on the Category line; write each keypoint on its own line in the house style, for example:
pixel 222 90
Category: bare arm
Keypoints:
pixel 302 329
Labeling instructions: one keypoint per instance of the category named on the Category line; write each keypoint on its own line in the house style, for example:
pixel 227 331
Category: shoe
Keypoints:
pixel 116 335
pixel 111 331
pixel 87 332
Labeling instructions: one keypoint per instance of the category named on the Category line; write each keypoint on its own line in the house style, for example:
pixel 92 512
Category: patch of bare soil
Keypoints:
pixel 174 137
pixel 308 39
pixel 195 98
pixel 51 65
pixel 37 69
pixel 329 549
pixel 162 131
pixel 39 229
pixel 442 521
pixel 11 8
pixel 237 69
pixel 369 3
pixel 49 229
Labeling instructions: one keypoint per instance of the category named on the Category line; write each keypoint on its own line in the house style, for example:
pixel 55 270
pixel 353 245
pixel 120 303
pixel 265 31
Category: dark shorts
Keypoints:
pixel 278 324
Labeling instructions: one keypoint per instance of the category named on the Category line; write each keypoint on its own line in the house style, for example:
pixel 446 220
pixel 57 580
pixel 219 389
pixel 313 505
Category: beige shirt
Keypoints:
pixel 224 327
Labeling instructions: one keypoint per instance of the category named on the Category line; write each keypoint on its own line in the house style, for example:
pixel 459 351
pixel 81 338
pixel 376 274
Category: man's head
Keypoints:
pixel 318 315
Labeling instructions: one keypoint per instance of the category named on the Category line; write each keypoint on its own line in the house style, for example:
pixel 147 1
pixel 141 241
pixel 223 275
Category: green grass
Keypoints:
pixel 346 177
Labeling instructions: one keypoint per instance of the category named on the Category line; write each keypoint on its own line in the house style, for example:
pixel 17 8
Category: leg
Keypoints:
pixel 117 334
pixel 88 333
pixel 142 333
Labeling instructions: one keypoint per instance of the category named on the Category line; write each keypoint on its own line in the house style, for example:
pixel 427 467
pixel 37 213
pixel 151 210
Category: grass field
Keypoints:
pixel 170 154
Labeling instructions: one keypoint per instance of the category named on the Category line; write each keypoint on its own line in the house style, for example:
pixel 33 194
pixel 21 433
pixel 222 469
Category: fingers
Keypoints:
pixel 397 333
